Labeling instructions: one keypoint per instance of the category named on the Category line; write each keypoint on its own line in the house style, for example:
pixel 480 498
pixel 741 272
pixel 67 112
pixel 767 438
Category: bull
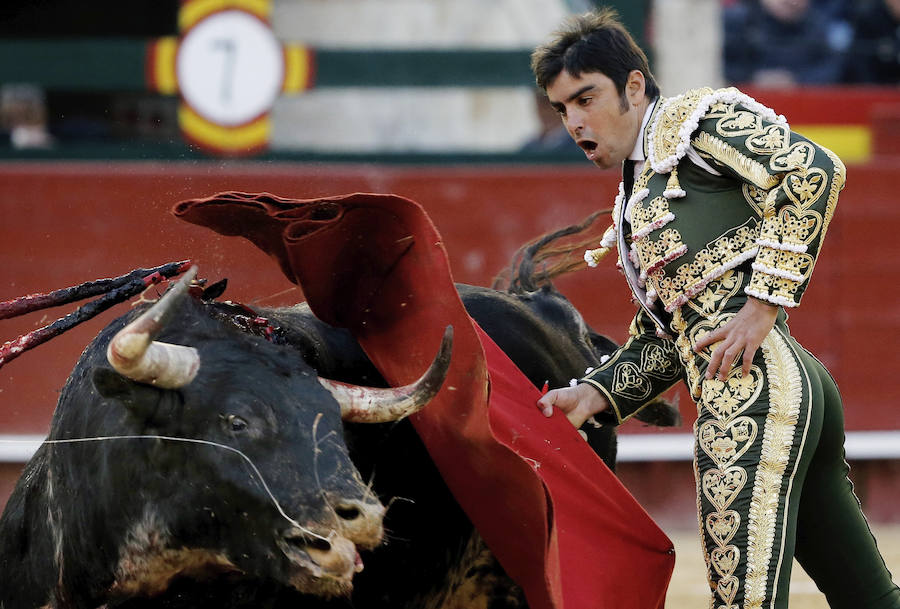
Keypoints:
pixel 269 505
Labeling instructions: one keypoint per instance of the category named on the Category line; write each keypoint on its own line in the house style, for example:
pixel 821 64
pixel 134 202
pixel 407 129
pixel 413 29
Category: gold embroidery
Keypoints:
pixel 736 393
pixel 658 362
pixel 806 188
pixel 665 135
pixel 686 354
pixel 725 443
pixel 722 525
pixel 715 259
pixel 791 226
pixel 785 396
pixel 716 293
pixel 744 166
pixel 654 253
pixel 800 154
pixel 798 265
pixel 778 288
pixel 719 109
pixel 724 439
pixel 770 140
pixel 721 487
pixel 657 211
pixel 630 383
pixel 739 122
pixel 756 197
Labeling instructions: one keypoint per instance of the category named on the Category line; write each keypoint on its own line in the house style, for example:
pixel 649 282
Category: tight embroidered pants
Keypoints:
pixel 771 476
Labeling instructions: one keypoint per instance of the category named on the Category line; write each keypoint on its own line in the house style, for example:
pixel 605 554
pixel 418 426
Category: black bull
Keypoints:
pixel 158 521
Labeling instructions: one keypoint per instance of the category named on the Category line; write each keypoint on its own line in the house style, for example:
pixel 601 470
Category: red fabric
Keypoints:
pixel 559 521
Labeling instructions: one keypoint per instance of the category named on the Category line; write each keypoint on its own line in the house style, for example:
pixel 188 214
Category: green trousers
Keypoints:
pixel 772 481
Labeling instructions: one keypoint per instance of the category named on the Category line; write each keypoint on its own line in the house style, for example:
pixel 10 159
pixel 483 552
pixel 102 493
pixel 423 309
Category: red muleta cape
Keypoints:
pixel 559 521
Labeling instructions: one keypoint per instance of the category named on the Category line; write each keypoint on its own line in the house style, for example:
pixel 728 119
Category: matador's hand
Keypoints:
pixel 578 403
pixel 743 333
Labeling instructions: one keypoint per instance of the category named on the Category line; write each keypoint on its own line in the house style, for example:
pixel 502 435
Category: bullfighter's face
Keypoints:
pixel 602 120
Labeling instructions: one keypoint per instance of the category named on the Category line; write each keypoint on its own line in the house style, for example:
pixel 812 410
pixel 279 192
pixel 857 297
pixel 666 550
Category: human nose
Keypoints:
pixel 575 123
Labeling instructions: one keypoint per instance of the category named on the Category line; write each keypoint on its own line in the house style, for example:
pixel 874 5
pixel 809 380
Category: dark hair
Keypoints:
pixel 593 42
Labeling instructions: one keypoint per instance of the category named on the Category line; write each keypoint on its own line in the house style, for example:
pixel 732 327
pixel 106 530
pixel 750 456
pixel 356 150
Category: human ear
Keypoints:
pixel 635 87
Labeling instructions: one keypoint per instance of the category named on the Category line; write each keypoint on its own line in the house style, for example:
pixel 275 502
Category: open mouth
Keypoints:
pixel 324 566
pixel 589 147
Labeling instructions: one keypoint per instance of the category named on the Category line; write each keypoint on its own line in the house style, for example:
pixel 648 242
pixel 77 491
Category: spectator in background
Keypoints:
pixel 782 43
pixel 23 116
pixel 875 53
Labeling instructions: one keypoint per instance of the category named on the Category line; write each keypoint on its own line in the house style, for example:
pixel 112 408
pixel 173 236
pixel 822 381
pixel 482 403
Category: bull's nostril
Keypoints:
pixel 347 512
pixel 317 543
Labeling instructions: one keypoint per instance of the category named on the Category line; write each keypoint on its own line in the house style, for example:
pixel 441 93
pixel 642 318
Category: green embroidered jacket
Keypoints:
pixel 754 191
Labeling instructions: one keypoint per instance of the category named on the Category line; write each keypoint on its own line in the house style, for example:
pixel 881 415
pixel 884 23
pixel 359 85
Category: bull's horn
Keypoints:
pixel 371 405
pixel 134 354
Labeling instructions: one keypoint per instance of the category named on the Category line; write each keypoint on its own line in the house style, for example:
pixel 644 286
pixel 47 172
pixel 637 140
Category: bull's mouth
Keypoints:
pixel 323 566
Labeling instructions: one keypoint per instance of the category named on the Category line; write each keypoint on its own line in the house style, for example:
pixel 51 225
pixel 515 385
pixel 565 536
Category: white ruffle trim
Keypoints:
pixel 634 200
pixel 768 270
pixel 646 230
pixel 690 124
pixel 717 272
pixel 799 248
pixel 674 193
pixel 778 300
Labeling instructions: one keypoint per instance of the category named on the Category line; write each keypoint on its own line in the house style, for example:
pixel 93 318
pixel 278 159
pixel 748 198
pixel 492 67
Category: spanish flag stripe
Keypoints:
pixel 229 139
pixel 193 11
pixel 296 68
pixel 161 65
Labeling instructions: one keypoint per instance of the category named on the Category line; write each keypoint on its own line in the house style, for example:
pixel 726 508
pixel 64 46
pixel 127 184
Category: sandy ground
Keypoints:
pixel 688 589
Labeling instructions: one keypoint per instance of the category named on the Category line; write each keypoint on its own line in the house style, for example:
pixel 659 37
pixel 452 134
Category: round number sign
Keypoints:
pixel 230 68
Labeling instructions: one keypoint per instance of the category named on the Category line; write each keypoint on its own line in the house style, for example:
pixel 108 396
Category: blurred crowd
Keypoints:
pixel 775 43
pixel 782 43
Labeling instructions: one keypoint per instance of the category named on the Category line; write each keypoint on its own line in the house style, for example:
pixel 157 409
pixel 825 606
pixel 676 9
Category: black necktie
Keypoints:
pixel 628 176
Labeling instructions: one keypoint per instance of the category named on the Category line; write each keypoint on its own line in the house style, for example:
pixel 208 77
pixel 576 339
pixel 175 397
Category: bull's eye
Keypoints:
pixel 234 422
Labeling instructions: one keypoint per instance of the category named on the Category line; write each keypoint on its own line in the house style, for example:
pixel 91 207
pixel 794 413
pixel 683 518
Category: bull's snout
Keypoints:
pixel 360 521
pixel 328 560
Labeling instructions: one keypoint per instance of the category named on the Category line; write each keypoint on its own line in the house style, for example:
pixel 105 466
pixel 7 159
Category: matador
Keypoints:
pixel 718 223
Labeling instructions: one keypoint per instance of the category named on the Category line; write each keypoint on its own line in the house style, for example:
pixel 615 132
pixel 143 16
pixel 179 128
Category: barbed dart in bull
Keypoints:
pixel 114 290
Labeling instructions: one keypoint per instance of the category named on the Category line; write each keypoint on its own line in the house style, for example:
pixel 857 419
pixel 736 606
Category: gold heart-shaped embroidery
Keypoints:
pixel 727 399
pixel 804 190
pixel 741 122
pixel 725 560
pixel 722 526
pixel 799 225
pixel 721 487
pixel 727 589
pixel 725 444
pixel 771 140
pixel 801 154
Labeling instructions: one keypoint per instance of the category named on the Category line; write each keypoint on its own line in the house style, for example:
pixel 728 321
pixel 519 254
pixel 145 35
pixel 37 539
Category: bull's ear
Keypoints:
pixel 139 399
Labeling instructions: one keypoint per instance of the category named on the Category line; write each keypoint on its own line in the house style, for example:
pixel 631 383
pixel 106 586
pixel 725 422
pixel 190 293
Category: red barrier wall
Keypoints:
pixel 61 224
